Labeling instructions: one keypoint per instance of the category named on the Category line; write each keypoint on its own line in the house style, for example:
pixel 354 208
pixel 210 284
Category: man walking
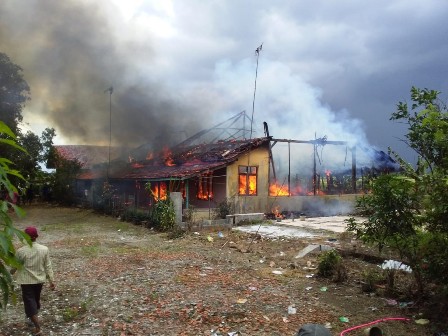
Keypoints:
pixel 35 272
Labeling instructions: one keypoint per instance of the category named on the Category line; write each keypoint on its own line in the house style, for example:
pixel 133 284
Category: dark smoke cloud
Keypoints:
pixel 71 52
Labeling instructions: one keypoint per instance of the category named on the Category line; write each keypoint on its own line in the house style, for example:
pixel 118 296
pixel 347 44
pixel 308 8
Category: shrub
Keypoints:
pixel 331 266
pixel 162 215
pixel 223 209
pixel 434 260
pixel 176 232
pixel 190 217
pixel 370 278
pixel 135 216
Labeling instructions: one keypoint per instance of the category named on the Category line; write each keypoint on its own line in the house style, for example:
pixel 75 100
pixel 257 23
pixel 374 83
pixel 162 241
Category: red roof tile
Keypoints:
pixel 89 156
pixel 185 161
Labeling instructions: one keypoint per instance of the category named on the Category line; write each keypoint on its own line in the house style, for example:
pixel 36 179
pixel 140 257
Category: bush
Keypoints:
pixel 162 215
pixel 331 266
pixel 176 232
pixel 434 257
pixel 135 216
pixel 223 209
pixel 370 278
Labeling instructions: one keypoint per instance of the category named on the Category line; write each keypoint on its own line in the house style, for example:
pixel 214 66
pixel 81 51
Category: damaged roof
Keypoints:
pixel 88 156
pixel 180 162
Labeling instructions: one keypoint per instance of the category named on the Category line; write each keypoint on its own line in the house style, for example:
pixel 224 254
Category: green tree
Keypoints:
pixel 29 161
pixel 7 231
pixel 428 136
pixel 427 121
pixel 63 185
pixel 62 181
pixel 394 220
pixel 14 92
pixel 408 212
pixel 49 152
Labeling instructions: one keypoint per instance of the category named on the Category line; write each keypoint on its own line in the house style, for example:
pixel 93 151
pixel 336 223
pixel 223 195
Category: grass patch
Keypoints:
pixel 91 251
pixel 126 249
pixel 77 228
pixel 73 313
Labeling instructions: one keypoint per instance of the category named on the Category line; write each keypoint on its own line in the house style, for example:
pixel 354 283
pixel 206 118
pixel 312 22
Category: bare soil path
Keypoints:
pixel 116 278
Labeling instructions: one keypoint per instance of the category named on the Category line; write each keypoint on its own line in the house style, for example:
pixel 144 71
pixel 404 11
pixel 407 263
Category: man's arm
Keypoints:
pixel 19 257
pixel 49 270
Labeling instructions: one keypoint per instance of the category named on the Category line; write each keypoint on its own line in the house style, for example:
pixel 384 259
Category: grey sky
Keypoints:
pixel 327 68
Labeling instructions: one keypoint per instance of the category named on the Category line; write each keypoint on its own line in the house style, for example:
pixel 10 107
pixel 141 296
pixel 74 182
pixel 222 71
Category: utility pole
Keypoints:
pixel 110 90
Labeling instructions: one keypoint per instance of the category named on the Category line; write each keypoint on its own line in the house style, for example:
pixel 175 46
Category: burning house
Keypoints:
pixel 243 171
pixel 201 173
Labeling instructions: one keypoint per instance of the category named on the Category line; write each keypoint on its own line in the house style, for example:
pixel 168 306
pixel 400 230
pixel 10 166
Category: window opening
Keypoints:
pixel 247 177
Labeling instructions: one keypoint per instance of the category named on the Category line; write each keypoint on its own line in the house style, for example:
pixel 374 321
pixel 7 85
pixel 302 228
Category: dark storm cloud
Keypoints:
pixel 327 68
pixel 71 52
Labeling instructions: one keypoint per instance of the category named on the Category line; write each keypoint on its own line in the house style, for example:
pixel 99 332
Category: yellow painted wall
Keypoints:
pixel 246 204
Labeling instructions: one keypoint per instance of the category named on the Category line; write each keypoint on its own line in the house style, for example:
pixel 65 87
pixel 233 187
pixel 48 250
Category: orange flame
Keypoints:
pixel 149 156
pixel 277 213
pixel 204 195
pixel 318 193
pixel 205 187
pixel 252 185
pixel 168 157
pixel 159 193
pixel 278 190
pixel 297 190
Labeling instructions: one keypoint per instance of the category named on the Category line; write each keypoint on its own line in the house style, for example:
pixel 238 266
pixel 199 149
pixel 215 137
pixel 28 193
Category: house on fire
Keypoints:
pixel 236 170
pixel 204 174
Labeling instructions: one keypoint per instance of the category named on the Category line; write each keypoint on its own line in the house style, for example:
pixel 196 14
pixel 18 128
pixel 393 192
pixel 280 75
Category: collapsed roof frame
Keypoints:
pixel 223 127
pixel 317 142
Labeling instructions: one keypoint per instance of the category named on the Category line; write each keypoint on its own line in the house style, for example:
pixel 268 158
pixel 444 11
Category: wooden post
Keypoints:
pixel 289 169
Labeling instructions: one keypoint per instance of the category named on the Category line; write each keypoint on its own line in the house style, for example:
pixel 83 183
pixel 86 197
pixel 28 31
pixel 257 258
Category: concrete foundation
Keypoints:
pixel 237 218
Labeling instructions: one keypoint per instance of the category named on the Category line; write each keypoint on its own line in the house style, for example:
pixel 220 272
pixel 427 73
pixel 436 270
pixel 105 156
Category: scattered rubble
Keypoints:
pixel 115 278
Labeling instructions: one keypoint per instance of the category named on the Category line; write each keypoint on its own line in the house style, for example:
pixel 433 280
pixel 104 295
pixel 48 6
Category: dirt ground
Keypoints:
pixel 116 278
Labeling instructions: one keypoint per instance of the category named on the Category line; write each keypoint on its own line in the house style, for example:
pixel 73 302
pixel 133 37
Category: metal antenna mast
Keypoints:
pixel 257 52
pixel 248 168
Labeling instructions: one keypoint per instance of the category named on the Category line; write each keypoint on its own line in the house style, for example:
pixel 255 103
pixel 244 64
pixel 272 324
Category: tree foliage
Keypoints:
pixel 427 121
pixel 29 161
pixel 409 212
pixel 14 92
pixel 7 230
pixel 63 184
pixel 49 154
